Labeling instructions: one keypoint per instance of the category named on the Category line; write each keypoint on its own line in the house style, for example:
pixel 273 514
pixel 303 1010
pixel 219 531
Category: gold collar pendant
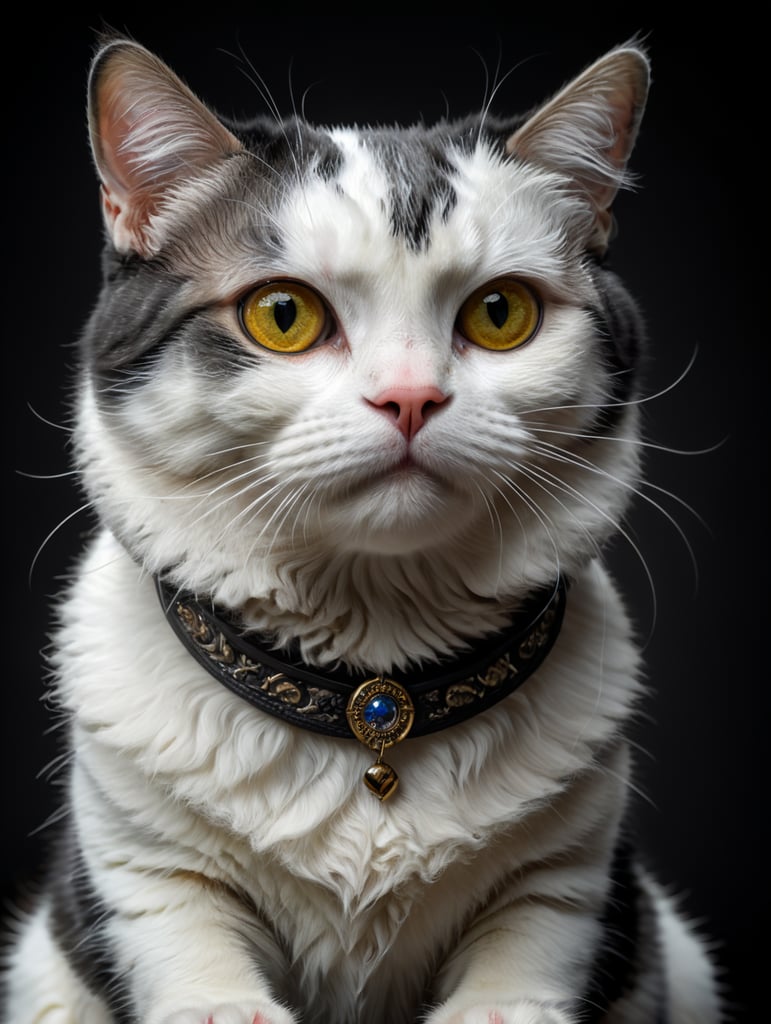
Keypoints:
pixel 380 714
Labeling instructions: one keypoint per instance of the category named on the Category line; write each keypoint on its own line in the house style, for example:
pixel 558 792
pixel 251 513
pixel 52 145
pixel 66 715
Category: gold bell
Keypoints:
pixel 380 713
pixel 381 779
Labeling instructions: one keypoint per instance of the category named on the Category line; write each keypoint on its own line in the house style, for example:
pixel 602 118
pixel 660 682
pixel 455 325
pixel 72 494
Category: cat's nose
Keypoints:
pixel 409 407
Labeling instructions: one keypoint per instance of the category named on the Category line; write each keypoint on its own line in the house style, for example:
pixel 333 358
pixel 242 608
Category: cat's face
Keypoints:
pixel 317 345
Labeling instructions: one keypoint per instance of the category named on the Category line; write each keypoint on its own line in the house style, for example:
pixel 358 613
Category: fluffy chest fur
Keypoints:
pixel 354 889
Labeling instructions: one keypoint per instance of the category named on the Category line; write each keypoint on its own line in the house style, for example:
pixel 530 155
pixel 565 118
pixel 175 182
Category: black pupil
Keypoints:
pixel 497 309
pixel 285 314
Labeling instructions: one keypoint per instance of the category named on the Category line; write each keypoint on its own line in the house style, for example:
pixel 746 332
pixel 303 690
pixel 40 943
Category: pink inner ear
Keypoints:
pixel 148 131
pixel 110 208
pixel 115 129
pixel 130 195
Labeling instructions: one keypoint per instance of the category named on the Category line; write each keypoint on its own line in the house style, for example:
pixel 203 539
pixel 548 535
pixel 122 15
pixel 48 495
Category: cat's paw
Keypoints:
pixel 520 1012
pixel 233 1013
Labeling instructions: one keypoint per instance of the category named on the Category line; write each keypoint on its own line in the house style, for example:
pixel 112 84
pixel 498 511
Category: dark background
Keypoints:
pixel 683 247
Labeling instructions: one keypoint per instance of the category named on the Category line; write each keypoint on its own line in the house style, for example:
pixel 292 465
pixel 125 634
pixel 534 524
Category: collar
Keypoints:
pixel 378 710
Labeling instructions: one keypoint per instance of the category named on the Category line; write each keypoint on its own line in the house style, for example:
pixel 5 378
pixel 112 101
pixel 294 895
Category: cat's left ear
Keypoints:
pixel 587 131
pixel 149 135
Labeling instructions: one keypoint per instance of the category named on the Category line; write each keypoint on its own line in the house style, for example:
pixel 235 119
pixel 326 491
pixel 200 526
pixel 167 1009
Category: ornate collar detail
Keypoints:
pixel 377 710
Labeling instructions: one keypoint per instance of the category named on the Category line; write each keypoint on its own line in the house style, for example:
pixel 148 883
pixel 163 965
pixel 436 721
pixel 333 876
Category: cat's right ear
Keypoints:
pixel 149 134
pixel 587 131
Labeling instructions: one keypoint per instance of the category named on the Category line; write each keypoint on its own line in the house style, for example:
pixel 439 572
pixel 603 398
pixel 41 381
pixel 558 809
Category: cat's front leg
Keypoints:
pixel 215 999
pixel 524 964
pixel 494 1011
pixel 191 951
pixel 231 1013
pixel 209 993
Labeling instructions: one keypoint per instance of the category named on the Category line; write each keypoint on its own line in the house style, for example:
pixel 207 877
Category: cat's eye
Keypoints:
pixel 284 316
pixel 500 315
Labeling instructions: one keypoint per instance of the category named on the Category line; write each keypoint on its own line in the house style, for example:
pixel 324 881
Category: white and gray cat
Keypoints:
pixel 347 683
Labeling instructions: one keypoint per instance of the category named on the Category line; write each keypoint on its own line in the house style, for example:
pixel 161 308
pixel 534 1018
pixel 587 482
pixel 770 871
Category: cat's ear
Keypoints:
pixel 587 131
pixel 149 133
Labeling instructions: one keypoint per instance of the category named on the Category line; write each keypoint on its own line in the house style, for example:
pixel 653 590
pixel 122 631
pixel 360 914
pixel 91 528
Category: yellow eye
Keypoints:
pixel 284 316
pixel 500 315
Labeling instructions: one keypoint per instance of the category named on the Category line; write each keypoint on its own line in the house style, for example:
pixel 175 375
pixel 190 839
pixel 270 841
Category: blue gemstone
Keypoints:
pixel 381 712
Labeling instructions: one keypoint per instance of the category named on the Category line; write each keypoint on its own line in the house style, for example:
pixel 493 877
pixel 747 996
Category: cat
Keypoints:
pixel 347 682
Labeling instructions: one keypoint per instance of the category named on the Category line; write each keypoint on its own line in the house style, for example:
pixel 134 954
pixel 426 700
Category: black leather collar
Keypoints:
pixel 378 710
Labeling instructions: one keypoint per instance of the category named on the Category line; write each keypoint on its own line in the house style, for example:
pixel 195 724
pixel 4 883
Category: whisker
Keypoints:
pixel 628 782
pixel 47 476
pixel 567 458
pixel 495 521
pixel 290 501
pixel 301 512
pixel 56 765
pixel 235 448
pixel 562 485
pixel 254 509
pixel 224 469
pixel 615 438
pixel 644 399
pixel 48 423
pixel 59 525
pixel 53 819
pixel 254 78
pixel 260 500
pixel 537 512
pixel 529 473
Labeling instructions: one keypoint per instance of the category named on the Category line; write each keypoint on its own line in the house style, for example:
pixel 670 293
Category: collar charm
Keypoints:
pixel 380 713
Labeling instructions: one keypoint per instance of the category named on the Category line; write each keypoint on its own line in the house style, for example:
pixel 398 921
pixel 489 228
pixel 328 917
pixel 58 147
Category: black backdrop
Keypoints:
pixel 682 247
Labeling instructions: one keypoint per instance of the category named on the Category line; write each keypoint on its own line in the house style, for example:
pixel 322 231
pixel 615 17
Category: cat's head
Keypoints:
pixel 324 358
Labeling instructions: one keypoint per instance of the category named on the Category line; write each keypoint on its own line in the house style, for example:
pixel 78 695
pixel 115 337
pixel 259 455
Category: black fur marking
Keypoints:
pixel 289 151
pixel 138 316
pixel 628 945
pixel 615 966
pixel 417 158
pixel 411 215
pixel 620 330
pixel 216 355
pixel 78 918
pixel 136 310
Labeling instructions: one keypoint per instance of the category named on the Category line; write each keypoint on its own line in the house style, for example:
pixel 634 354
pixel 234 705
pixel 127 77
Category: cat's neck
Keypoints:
pixel 376 612
pixel 369 611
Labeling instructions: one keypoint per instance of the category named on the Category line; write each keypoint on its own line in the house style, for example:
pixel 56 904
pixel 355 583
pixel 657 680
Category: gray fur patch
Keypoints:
pixel 78 917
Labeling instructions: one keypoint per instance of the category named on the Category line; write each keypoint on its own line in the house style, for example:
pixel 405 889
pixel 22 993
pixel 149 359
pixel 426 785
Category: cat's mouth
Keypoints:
pixel 406 464
pixel 408 468
pixel 405 507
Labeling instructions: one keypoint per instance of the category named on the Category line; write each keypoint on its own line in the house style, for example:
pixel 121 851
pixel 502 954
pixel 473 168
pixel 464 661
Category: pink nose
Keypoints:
pixel 408 407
